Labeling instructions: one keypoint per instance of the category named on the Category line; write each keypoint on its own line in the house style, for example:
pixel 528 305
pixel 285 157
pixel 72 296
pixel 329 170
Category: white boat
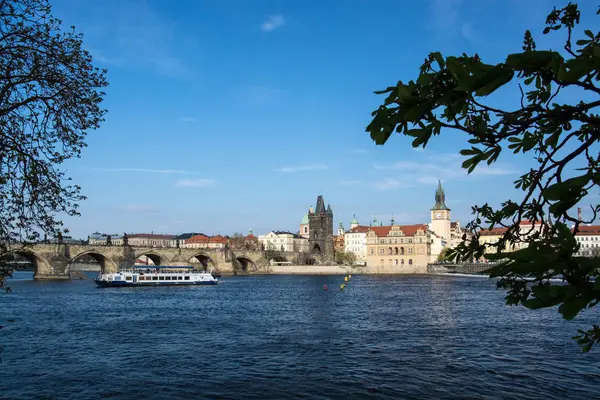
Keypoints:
pixel 151 275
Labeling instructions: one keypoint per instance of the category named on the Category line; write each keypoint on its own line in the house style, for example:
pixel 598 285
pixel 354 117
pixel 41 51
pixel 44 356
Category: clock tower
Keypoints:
pixel 440 215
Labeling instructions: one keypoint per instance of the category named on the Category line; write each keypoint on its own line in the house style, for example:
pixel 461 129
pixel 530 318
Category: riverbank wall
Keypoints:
pixel 337 270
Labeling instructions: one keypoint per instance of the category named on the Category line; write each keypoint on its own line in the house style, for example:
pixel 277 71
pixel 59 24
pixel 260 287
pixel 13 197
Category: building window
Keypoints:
pixel 402 262
pixel 389 250
pixel 410 261
pixel 396 261
pixel 395 250
pixel 372 251
pixel 382 262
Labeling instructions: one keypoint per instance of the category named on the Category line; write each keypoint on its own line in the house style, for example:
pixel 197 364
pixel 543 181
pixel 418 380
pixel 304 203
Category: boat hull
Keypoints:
pixel 104 284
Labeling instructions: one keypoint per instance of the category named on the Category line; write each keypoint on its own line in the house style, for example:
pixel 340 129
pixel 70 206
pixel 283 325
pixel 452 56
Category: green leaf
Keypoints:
pixel 578 67
pixel 530 61
pixel 416 112
pixel 402 92
pixel 589 34
pixel 571 307
pixel 438 57
pixel 497 78
pixel 560 189
pixel 485 82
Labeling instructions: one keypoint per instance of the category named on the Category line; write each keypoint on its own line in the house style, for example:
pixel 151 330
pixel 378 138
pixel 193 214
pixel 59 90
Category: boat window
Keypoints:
pixel 141 278
pixel 127 278
pixel 168 278
pixel 155 278
pixel 180 278
pixel 187 278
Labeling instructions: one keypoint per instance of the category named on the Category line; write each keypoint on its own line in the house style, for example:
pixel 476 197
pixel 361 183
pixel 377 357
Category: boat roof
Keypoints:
pixel 162 266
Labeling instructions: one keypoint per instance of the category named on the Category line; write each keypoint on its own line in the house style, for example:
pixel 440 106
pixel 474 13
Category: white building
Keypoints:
pixel 355 241
pixel 588 239
pixel 101 239
pixel 284 241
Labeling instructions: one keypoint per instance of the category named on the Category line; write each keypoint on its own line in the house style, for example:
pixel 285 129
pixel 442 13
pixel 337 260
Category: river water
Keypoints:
pixel 284 337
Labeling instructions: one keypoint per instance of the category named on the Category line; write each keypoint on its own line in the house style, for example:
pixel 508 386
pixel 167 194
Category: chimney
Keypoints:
pixel 579 213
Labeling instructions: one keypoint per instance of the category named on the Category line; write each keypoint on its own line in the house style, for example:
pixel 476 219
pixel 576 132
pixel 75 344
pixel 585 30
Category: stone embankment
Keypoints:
pixel 335 270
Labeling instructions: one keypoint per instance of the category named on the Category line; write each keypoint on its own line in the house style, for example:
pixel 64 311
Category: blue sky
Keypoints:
pixel 229 115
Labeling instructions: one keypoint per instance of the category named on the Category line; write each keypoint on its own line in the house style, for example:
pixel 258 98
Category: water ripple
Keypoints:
pixel 274 337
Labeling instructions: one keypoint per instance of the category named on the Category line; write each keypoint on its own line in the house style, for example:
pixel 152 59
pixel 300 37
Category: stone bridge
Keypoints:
pixel 53 261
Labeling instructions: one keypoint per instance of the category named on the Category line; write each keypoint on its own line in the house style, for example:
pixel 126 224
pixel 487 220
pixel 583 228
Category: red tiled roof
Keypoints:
pixel 408 230
pixel 197 239
pixel 251 237
pixel 493 232
pixel 359 229
pixel 218 239
pixel 587 230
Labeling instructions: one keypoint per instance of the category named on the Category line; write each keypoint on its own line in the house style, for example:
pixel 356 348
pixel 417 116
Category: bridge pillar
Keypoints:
pixel 53 265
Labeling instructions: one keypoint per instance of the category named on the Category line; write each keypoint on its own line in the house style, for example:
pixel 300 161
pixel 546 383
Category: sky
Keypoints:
pixel 230 115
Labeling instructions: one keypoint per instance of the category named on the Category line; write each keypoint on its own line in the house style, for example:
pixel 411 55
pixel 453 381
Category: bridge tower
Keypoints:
pixel 320 231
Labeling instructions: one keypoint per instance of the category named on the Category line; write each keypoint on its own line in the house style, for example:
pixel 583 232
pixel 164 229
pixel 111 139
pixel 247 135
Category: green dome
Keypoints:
pixel 305 220
pixel 354 221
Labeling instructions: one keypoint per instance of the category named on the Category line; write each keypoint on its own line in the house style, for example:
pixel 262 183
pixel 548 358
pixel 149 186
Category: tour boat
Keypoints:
pixel 150 275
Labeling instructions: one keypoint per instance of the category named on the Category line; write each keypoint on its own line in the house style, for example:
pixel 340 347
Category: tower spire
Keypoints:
pixel 440 198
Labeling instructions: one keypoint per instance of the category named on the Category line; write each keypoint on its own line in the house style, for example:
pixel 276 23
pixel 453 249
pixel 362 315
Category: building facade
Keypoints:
pixel 396 246
pixel 493 236
pixel 203 241
pixel 355 241
pixel 588 238
pixel 283 241
pixel 149 240
pixel 103 239
pixel 321 231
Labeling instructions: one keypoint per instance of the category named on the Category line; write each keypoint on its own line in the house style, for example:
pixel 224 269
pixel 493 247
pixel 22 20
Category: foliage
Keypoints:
pixel 445 255
pixel 450 94
pixel 344 258
pixel 50 96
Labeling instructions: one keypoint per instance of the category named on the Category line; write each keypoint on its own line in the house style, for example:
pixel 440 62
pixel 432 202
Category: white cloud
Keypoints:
pixel 445 167
pixel 302 168
pixel 133 34
pixel 187 119
pixel 389 183
pixel 350 182
pixel 154 171
pixel 201 182
pixel 272 23
pixel 141 208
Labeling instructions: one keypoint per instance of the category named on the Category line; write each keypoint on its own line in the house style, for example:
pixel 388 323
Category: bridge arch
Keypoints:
pixel 206 261
pixel 155 258
pixel 106 264
pixel 40 265
pixel 246 264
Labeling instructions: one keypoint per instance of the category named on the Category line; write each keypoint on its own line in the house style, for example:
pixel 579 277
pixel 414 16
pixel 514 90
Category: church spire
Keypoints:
pixel 440 198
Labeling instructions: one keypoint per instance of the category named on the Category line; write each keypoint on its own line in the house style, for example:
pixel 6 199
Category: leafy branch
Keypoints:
pixel 451 93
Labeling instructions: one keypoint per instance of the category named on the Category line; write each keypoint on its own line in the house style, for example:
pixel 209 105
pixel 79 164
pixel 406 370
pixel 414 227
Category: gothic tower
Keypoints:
pixel 320 230
pixel 440 214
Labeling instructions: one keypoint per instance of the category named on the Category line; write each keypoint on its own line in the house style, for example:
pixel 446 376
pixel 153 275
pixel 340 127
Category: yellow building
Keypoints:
pixel 395 248
pixel 493 236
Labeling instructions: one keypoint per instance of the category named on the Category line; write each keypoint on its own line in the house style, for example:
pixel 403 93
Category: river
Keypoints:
pixel 284 337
